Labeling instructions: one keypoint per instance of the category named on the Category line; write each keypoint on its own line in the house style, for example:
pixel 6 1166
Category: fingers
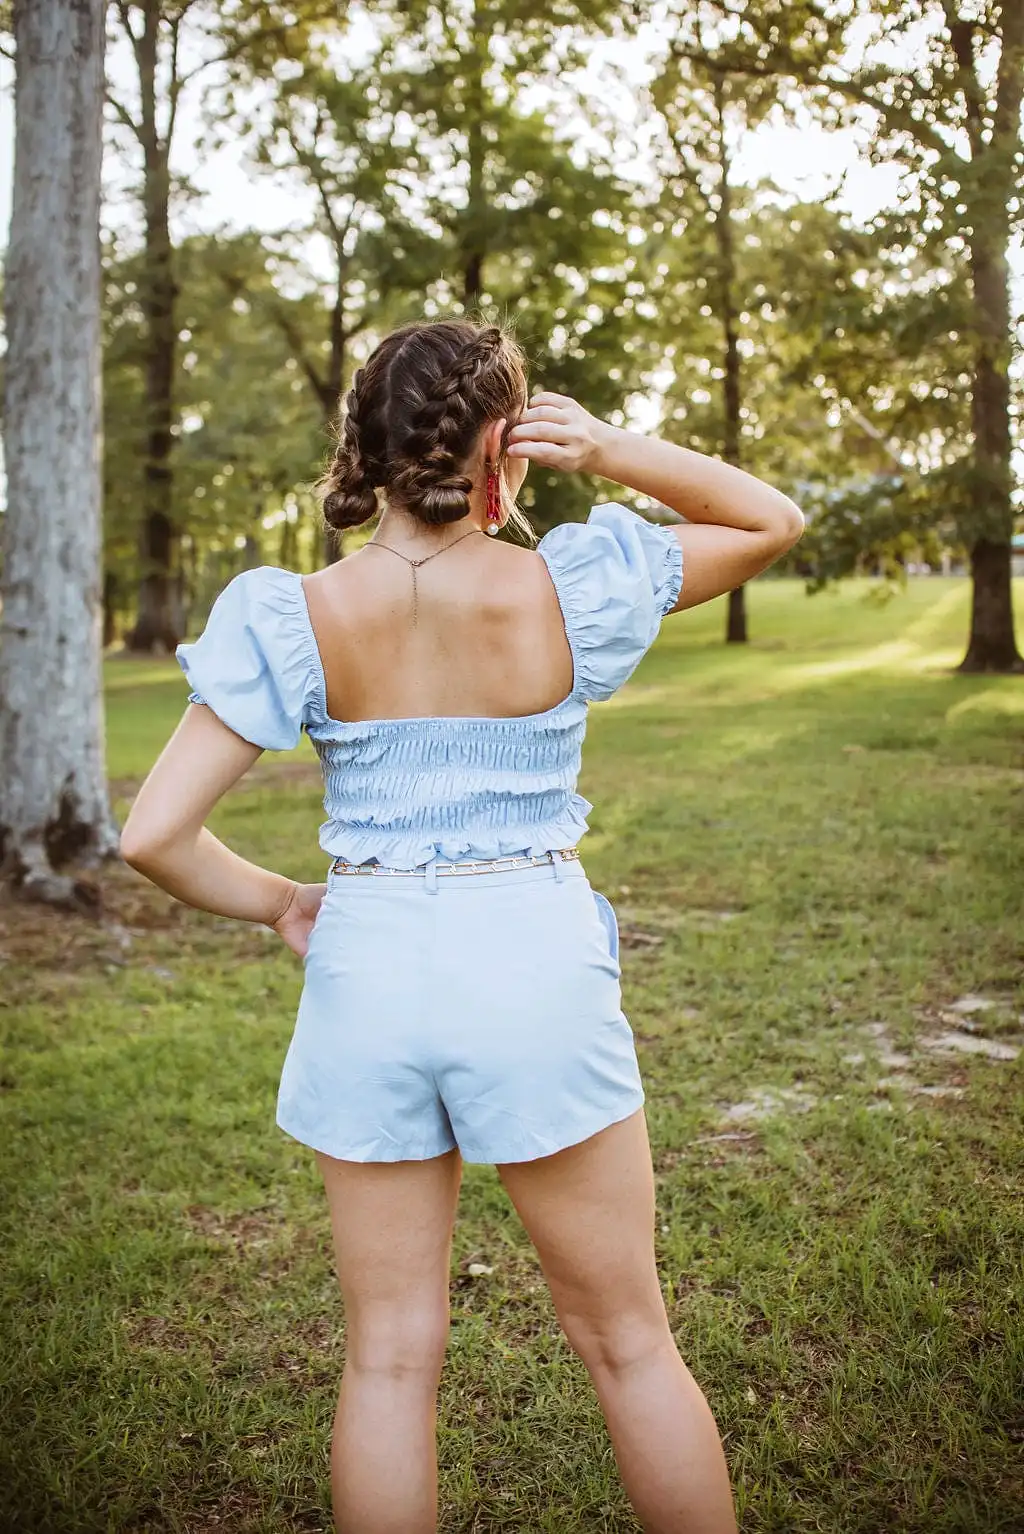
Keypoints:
pixel 543 413
pixel 543 431
pixel 549 397
pixel 553 454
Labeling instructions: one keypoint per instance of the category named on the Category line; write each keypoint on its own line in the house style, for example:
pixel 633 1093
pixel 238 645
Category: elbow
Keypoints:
pixel 791 524
pixel 138 849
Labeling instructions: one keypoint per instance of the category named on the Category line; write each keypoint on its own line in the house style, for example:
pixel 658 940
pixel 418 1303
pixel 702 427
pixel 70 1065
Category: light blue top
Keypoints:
pixel 405 791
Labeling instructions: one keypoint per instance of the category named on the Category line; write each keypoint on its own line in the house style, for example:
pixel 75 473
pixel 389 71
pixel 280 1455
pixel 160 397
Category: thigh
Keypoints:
pixel 589 1211
pixel 392 1230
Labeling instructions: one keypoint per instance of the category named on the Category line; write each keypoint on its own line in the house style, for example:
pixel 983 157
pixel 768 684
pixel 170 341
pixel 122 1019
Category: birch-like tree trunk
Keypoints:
pixel 53 796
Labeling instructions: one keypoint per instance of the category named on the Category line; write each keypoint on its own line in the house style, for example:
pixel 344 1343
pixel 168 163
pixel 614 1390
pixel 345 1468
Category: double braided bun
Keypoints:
pixel 412 418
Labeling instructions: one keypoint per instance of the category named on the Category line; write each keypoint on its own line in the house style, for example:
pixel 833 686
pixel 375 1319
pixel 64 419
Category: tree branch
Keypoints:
pixel 125 117
pixel 926 136
pixel 241 46
pixel 126 19
pixel 174 89
pixel 236 286
pixel 313 167
pixel 295 341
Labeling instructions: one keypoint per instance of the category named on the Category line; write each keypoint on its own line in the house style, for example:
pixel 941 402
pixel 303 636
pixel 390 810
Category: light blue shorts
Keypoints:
pixel 484 1013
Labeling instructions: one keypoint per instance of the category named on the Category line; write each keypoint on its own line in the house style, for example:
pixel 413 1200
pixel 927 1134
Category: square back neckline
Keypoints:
pixel 449 719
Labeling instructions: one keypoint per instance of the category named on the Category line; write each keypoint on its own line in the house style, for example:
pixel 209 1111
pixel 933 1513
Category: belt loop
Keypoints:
pixel 430 873
pixel 556 866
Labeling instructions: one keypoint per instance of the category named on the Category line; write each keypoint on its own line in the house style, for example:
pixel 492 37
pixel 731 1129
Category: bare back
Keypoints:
pixel 488 640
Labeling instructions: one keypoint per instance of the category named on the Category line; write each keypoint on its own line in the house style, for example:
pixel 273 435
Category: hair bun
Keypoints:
pixel 445 502
pixel 348 506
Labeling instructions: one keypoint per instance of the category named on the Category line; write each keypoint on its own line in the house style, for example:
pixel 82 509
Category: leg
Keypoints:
pixel 392 1225
pixel 589 1211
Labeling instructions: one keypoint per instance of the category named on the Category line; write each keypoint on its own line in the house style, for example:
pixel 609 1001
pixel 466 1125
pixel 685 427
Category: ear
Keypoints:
pixel 492 440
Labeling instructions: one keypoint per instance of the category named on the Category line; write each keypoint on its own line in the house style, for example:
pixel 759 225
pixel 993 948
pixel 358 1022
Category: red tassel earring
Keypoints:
pixel 493 501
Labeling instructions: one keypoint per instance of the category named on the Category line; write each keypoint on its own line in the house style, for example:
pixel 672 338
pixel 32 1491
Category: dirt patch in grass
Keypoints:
pixel 265 1233
pixel 159 1333
pixel 245 1230
pixel 31 933
pixel 45 953
pixel 236 1511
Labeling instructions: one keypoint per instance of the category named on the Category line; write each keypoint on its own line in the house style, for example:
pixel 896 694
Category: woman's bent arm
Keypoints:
pixel 736 524
pixel 165 837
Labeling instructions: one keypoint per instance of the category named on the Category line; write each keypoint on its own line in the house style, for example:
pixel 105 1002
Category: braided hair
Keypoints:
pixel 412 416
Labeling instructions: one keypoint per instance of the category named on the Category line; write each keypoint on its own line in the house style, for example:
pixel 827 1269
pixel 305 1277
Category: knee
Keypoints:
pixel 407 1343
pixel 616 1343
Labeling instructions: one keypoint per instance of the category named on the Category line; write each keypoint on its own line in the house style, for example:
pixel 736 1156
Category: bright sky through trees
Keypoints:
pixel 802 157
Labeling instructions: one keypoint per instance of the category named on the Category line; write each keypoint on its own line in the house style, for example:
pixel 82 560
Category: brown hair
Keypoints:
pixel 411 418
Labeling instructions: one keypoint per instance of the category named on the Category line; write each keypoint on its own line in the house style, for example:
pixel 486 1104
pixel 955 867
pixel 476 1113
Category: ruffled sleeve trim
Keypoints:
pixel 256 664
pixel 616 576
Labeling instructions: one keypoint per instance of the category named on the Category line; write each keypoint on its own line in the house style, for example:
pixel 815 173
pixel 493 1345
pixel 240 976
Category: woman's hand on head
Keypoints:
pixel 559 433
pixel 295 922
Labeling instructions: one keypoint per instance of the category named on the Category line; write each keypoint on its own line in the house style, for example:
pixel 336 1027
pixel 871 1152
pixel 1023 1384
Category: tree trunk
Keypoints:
pixel 158 624
pixel 992 645
pixel 476 203
pixel 736 617
pixel 54 803
pixel 333 543
pixel 109 608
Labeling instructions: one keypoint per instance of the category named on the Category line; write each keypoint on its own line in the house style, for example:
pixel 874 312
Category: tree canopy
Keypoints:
pixel 490 157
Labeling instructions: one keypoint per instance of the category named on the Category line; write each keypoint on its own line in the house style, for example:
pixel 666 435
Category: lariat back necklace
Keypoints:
pixel 414 564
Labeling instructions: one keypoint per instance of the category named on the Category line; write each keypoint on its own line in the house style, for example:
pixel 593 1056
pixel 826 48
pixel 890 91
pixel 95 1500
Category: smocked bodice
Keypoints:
pixel 406 790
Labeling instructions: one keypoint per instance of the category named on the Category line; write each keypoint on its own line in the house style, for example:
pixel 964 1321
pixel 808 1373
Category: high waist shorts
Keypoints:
pixel 474 1010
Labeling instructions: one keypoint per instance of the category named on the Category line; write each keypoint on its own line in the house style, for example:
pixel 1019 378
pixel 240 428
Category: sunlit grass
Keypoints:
pixel 813 845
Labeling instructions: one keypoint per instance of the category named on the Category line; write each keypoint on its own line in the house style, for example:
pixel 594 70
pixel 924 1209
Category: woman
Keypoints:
pixel 461 997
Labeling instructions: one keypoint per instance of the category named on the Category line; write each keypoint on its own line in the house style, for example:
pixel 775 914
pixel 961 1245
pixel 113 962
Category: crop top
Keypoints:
pixel 407 791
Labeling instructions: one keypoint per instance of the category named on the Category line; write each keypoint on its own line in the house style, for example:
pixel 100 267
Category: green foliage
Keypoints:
pixel 248 436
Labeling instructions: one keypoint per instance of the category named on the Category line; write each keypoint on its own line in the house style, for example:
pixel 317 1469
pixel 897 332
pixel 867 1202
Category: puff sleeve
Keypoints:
pixel 616 576
pixel 256 663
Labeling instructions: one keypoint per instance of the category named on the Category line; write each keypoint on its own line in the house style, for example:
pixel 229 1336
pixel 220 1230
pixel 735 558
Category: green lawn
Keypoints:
pixel 814 847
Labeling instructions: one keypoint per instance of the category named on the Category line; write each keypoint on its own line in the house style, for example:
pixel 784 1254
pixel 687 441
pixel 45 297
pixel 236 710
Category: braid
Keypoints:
pixel 347 487
pixel 441 426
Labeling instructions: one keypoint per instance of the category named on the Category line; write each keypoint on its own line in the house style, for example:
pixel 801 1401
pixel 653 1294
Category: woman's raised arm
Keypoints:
pixel 736 524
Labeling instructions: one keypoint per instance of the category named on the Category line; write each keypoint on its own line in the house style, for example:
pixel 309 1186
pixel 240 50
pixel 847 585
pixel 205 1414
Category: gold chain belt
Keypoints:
pixel 491 866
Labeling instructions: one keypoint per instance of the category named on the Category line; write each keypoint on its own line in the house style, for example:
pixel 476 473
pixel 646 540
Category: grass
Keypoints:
pixel 813 846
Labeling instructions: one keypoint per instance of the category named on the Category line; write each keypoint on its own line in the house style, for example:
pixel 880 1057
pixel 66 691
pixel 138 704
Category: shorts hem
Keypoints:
pixel 477 1155
pixel 583 1130
pixel 359 1154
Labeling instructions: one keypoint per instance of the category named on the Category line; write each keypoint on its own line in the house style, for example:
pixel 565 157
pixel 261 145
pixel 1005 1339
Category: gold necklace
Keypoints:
pixel 415 563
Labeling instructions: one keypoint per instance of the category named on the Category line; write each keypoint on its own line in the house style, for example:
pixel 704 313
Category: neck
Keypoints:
pixel 398 524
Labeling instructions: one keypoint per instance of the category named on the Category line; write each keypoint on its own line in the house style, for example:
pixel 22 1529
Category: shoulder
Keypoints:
pixel 256 662
pixel 269 604
pixel 614 543
pixel 616 575
pixel 264 586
